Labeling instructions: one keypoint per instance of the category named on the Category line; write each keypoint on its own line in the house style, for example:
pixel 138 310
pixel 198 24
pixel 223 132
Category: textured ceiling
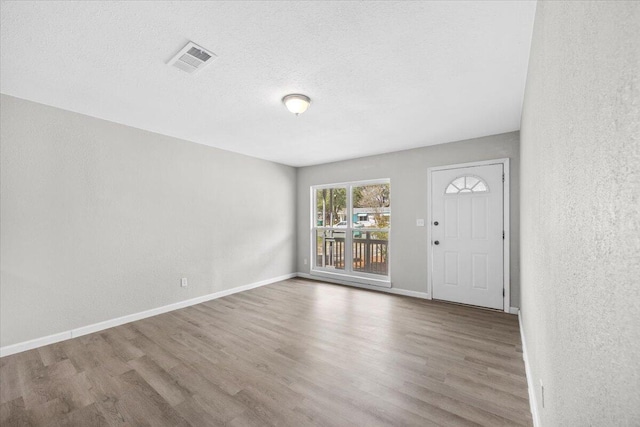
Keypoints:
pixel 382 76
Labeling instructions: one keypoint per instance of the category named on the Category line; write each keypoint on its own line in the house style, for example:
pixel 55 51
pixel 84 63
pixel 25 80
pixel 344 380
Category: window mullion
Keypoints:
pixel 348 241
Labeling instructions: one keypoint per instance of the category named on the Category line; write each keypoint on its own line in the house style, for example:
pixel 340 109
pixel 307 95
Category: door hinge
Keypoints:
pixel 503 177
pixel 502 291
pixel 502 234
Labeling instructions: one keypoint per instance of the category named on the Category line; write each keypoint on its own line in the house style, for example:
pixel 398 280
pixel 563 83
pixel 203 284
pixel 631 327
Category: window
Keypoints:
pixel 350 231
pixel 467 184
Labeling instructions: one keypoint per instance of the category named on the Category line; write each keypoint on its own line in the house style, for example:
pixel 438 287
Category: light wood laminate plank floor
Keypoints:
pixel 295 353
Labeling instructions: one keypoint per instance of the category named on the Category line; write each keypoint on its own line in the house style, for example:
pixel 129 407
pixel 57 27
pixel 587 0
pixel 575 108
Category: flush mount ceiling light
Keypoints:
pixel 296 103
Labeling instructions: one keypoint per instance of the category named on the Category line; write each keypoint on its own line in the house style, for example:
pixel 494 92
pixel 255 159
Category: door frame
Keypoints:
pixel 506 219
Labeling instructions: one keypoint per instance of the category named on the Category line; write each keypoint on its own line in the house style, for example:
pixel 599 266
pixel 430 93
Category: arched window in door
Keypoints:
pixel 467 184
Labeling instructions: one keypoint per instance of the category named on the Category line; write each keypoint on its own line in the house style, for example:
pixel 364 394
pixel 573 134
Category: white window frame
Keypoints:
pixel 347 275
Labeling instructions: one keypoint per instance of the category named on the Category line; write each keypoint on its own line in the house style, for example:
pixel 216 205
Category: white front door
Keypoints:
pixel 467 235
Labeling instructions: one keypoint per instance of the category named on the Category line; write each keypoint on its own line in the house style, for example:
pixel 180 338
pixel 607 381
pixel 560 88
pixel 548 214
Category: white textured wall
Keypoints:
pixel 580 148
pixel 100 220
pixel 408 173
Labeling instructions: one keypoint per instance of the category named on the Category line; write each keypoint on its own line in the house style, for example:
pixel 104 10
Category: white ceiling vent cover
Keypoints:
pixel 192 58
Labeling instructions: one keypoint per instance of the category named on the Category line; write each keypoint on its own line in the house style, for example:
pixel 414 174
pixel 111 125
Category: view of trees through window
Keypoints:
pixel 331 206
pixel 371 205
pixel 352 221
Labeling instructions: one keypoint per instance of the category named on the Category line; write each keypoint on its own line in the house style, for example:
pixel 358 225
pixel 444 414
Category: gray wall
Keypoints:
pixel 100 220
pixel 408 173
pixel 580 143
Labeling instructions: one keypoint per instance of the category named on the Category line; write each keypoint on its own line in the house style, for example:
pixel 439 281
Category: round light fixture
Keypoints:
pixel 296 103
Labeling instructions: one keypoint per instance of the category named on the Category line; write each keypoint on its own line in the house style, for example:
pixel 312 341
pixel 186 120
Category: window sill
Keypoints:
pixel 346 278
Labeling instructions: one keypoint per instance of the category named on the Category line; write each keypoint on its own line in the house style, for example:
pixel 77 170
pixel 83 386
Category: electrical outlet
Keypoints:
pixel 305 261
pixel 542 393
pixel 419 222
pixel 183 282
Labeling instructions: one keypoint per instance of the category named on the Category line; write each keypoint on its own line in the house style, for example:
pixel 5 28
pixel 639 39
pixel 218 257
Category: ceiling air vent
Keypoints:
pixel 192 58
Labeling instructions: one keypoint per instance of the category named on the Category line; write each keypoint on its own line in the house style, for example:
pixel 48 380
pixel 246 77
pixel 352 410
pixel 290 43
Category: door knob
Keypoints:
pixel 436 223
pixel 437 242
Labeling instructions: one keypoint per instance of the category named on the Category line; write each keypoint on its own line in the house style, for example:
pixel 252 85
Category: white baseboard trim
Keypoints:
pixel 8 350
pixel 396 291
pixel 530 383
pixel 84 330
pixel 415 294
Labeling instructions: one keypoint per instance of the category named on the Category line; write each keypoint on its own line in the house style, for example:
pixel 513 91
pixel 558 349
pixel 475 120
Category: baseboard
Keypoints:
pixel 95 327
pixel 514 310
pixel 396 291
pixel 34 343
pixel 530 383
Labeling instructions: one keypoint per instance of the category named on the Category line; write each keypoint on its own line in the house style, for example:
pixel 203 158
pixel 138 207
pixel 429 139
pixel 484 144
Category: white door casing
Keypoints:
pixel 467 244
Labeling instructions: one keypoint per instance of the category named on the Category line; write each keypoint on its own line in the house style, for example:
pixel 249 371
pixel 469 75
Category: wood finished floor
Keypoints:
pixel 295 353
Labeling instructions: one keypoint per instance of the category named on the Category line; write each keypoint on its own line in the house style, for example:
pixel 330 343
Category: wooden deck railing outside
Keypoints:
pixel 369 255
